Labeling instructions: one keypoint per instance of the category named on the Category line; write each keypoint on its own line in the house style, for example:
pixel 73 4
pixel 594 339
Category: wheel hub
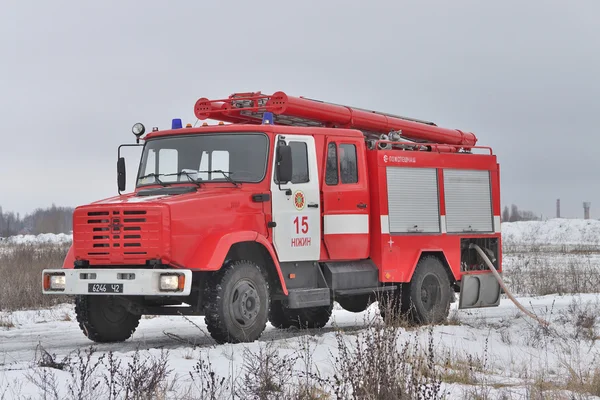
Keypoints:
pixel 113 311
pixel 430 292
pixel 245 303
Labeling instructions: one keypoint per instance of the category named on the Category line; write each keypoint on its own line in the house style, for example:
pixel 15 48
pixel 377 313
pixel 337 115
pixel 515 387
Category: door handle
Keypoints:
pixel 313 205
pixel 361 205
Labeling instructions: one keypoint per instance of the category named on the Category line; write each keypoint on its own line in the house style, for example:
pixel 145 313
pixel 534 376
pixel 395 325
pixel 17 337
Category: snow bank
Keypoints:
pixel 557 232
pixel 44 238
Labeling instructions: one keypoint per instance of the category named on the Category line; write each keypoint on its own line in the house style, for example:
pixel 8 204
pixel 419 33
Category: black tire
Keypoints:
pixel 237 303
pixel 312 317
pixel 355 304
pixel 429 292
pixel 278 315
pixel 104 319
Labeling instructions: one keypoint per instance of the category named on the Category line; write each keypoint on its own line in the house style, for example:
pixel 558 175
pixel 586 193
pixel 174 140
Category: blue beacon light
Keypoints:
pixel 267 118
pixel 176 124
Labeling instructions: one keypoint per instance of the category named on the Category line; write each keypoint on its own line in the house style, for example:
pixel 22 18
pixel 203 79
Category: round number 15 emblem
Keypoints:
pixel 299 200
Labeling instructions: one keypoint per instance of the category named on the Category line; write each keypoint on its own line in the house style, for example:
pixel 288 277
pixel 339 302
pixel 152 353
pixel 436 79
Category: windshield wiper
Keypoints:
pixel 187 174
pixel 155 176
pixel 227 177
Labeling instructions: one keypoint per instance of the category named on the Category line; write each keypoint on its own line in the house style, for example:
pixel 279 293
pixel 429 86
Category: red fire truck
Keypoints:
pixel 284 207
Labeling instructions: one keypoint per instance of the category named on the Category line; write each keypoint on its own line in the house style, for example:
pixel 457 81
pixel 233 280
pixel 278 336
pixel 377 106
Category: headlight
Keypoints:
pixel 172 282
pixel 138 129
pixel 55 282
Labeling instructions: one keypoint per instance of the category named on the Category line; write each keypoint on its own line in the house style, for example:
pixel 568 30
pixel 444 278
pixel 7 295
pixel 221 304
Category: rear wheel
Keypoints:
pixel 278 315
pixel 313 317
pixel 429 292
pixel 105 318
pixel 237 303
pixel 355 303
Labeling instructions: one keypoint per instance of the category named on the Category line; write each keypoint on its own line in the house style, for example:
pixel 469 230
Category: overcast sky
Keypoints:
pixel 523 76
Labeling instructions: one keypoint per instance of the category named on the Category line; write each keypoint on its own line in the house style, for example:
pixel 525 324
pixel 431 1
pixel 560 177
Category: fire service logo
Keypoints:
pixel 299 200
pixel 399 159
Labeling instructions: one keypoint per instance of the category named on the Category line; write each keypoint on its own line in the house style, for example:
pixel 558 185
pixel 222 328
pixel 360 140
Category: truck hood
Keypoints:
pixel 168 195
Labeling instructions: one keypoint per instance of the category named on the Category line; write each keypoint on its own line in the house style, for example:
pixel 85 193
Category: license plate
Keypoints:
pixel 105 288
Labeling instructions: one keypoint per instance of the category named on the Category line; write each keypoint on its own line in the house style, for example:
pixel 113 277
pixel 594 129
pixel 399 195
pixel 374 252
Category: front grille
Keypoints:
pixel 113 234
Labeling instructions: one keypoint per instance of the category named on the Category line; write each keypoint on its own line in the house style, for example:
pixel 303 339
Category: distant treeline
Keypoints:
pixel 514 214
pixel 43 220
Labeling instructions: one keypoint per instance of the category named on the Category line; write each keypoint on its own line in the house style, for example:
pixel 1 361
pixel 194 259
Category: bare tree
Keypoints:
pixel 505 214
pixel 49 220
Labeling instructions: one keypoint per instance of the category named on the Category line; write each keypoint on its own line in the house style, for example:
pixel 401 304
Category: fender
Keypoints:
pixel 204 260
pixel 69 262
pixel 411 272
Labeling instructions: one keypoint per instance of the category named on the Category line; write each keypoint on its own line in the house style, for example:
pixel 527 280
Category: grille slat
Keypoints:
pixel 97 213
pixel 130 220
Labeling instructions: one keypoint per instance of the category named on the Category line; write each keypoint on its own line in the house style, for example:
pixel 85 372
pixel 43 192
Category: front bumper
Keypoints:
pixel 124 282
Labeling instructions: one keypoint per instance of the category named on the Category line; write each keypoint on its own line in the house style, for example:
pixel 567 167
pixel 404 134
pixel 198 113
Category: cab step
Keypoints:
pixel 300 298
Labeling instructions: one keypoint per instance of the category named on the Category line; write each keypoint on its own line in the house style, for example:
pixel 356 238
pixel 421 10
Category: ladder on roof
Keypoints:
pixel 250 107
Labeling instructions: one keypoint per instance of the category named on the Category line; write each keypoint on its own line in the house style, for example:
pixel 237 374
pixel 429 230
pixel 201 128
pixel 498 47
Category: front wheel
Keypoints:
pixel 237 303
pixel 105 319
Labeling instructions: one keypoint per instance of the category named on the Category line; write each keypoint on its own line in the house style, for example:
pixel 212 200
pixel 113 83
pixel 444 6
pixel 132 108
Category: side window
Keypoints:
pixel 299 162
pixel 348 164
pixel 331 171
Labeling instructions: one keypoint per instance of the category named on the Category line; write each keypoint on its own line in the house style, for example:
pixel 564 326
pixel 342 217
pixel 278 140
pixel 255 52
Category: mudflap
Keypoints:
pixel 479 290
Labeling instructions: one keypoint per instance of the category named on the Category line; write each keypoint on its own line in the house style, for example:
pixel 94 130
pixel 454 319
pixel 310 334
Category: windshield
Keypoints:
pixel 237 157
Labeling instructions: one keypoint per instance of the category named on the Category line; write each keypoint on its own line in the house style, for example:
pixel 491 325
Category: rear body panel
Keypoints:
pixel 397 250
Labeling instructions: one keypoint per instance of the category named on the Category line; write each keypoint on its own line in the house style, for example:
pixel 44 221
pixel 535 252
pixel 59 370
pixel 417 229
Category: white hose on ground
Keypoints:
pixel 508 293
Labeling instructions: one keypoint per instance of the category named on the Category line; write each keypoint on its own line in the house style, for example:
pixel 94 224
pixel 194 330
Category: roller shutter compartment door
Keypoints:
pixel 413 200
pixel 468 201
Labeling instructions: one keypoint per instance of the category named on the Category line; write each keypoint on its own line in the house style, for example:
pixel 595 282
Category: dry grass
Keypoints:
pixel 21 271
pixel 6 322
pixel 533 273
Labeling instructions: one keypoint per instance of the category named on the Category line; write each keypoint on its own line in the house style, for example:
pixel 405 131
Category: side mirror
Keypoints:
pixel 121 174
pixel 284 164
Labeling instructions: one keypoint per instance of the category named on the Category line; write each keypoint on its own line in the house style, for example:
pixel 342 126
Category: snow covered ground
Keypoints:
pixel 497 351
pixel 488 353
pixel 43 238
pixel 556 234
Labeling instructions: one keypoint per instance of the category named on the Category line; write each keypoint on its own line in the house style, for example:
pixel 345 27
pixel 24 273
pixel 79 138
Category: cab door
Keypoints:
pixel 297 204
pixel 346 197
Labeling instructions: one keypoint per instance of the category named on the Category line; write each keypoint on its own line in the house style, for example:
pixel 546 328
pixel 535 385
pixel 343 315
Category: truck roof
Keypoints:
pixel 228 128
